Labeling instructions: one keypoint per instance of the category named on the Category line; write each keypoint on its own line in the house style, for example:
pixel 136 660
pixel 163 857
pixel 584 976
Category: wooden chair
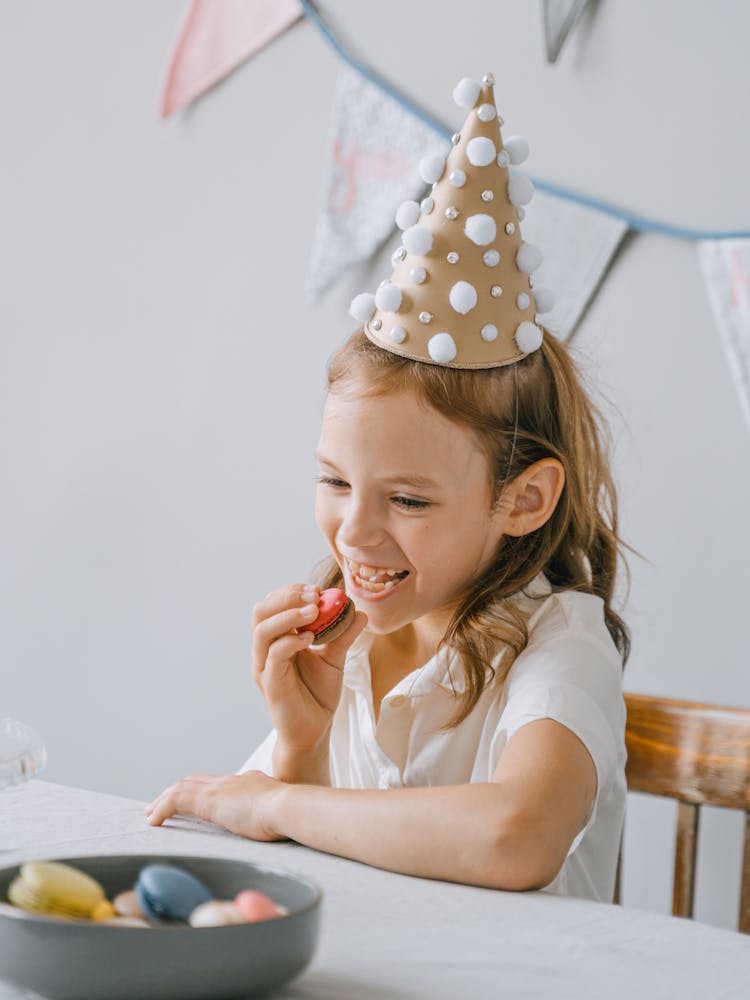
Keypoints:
pixel 697 754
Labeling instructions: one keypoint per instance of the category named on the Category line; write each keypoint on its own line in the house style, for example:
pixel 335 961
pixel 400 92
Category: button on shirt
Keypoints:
pixel 570 671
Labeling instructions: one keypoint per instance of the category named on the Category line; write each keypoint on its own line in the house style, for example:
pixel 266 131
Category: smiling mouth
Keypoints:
pixel 375 578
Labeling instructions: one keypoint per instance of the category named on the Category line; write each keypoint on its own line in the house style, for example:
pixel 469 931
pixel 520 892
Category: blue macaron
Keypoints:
pixel 168 893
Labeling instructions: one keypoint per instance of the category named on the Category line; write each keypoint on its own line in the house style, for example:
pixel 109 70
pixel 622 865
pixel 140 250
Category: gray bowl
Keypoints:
pixel 64 959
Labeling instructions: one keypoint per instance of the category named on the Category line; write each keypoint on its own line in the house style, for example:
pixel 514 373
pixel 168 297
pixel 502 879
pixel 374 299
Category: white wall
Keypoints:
pixel 156 442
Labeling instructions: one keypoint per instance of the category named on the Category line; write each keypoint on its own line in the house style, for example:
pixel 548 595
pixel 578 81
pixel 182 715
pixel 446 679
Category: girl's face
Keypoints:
pixel 402 488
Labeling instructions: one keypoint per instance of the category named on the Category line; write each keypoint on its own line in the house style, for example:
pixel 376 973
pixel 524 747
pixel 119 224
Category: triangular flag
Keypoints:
pixel 726 270
pixel 579 243
pixel 215 37
pixel 376 145
pixel 560 17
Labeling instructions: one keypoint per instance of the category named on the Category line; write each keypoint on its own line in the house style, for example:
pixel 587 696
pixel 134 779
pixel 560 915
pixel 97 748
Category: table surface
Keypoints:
pixel 393 936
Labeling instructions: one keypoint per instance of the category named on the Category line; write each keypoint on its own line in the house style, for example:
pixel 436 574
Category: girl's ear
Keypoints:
pixel 533 496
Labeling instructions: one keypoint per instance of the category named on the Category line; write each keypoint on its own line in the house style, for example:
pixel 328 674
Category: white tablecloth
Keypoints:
pixel 391 936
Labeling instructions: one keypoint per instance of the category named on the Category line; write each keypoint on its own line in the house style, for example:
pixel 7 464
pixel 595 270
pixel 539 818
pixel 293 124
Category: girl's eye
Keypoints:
pixel 405 502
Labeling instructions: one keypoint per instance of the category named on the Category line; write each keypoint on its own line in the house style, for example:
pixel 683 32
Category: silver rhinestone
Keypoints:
pixel 531 282
pixel 400 254
pixel 456 138
pixel 486 112
pixel 503 158
pixel 500 120
pixel 496 291
pixel 453 257
pixel 491 257
pixel 523 301
pixel 457 178
pixel 433 186
pixel 418 275
pixel 427 205
pixel 488 80
pixel 425 317
pixel 510 228
pixel 376 324
pixel 451 212
pixel 537 318
pixel 488 195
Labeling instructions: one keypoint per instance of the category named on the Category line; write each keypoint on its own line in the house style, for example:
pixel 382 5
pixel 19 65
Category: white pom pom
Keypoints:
pixel 521 212
pixel 518 149
pixel 362 307
pixel 442 348
pixel 466 92
pixel 528 258
pixel 427 205
pixel 431 168
pixel 457 178
pixel 463 297
pixel 544 299
pixel 503 158
pixel 520 190
pixel 481 229
pixel 407 214
pixel 397 334
pixel 418 275
pixel 528 337
pixel 418 240
pixel 388 297
pixel 488 332
pixel 481 151
pixel 523 301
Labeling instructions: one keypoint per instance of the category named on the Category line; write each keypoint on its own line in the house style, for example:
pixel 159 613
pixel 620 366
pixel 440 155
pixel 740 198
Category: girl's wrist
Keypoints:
pixel 296 765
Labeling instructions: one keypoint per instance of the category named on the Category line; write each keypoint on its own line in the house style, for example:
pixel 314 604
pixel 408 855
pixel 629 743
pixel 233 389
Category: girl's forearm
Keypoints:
pixel 459 833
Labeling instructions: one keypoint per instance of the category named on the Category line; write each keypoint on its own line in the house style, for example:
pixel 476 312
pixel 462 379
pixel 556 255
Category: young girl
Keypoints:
pixel 469 725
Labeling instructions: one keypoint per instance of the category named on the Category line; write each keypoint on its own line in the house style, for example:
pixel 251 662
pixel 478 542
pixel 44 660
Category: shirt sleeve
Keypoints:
pixel 576 681
pixel 261 759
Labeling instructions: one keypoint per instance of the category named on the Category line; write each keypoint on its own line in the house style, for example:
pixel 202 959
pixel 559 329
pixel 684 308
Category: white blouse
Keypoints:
pixel 570 671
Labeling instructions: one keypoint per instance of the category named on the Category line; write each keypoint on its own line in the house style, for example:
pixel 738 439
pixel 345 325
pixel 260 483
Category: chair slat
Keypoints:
pixel 683 893
pixel 744 921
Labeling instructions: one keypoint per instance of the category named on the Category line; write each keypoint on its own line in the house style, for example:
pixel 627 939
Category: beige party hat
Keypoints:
pixel 461 292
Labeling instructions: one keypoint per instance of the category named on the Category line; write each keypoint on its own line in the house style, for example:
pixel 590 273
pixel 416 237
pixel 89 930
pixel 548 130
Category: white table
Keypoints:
pixel 391 936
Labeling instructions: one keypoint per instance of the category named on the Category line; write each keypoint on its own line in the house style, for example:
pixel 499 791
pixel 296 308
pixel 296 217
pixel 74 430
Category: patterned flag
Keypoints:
pixel 215 37
pixel 376 146
pixel 578 244
pixel 726 270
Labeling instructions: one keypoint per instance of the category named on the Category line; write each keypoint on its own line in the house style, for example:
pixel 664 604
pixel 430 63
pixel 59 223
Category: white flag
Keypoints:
pixel 726 270
pixel 577 244
pixel 376 146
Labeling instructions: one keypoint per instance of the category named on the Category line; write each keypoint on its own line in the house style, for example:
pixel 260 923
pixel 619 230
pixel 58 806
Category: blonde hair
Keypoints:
pixel 533 409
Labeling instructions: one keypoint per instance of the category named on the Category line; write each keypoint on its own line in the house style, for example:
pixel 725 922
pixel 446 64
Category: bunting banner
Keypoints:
pixel 375 148
pixel 578 244
pixel 559 18
pixel 726 269
pixel 214 38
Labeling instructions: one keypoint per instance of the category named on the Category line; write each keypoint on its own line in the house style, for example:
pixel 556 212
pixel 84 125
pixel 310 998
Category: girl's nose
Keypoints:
pixel 361 526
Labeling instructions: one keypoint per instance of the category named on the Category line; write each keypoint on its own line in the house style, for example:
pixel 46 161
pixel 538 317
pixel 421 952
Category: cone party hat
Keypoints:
pixel 462 293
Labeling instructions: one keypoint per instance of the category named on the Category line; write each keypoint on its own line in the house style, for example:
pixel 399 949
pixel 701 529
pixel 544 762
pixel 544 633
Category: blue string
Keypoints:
pixel 633 221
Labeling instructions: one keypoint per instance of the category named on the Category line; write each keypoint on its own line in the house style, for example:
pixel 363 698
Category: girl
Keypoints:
pixel 469 725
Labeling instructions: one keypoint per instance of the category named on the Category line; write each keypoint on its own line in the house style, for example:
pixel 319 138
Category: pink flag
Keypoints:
pixel 215 37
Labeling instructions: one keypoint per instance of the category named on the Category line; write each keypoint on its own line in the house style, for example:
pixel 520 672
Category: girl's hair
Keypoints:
pixel 535 408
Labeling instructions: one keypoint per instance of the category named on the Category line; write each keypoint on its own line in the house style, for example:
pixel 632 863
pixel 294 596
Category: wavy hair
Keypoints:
pixel 536 408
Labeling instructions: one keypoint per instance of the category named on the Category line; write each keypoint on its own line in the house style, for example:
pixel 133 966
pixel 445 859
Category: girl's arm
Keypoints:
pixel 511 833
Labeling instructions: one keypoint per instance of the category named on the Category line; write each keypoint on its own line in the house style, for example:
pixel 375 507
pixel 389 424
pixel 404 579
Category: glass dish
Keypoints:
pixel 22 753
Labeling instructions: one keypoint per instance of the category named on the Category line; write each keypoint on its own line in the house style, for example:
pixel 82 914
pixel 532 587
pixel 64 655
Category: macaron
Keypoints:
pixel 253 905
pixel 217 913
pixel 59 890
pixel 335 615
pixel 169 893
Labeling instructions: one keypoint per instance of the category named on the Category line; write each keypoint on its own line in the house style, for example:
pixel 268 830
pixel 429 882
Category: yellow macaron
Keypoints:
pixel 59 890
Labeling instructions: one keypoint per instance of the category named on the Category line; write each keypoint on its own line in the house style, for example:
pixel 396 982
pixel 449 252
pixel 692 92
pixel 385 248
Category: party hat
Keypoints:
pixel 462 292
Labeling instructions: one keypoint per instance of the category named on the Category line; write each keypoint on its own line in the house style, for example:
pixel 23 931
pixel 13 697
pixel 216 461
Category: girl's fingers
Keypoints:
pixel 268 631
pixel 278 661
pixel 283 598
pixel 184 797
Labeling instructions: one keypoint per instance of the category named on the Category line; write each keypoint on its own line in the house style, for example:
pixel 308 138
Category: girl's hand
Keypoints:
pixel 301 686
pixel 239 802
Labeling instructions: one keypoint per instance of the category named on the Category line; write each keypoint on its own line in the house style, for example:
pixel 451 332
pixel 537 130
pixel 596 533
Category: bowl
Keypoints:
pixel 65 959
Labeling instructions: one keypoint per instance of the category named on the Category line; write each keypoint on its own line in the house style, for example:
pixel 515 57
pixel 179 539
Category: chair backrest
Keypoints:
pixel 699 755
